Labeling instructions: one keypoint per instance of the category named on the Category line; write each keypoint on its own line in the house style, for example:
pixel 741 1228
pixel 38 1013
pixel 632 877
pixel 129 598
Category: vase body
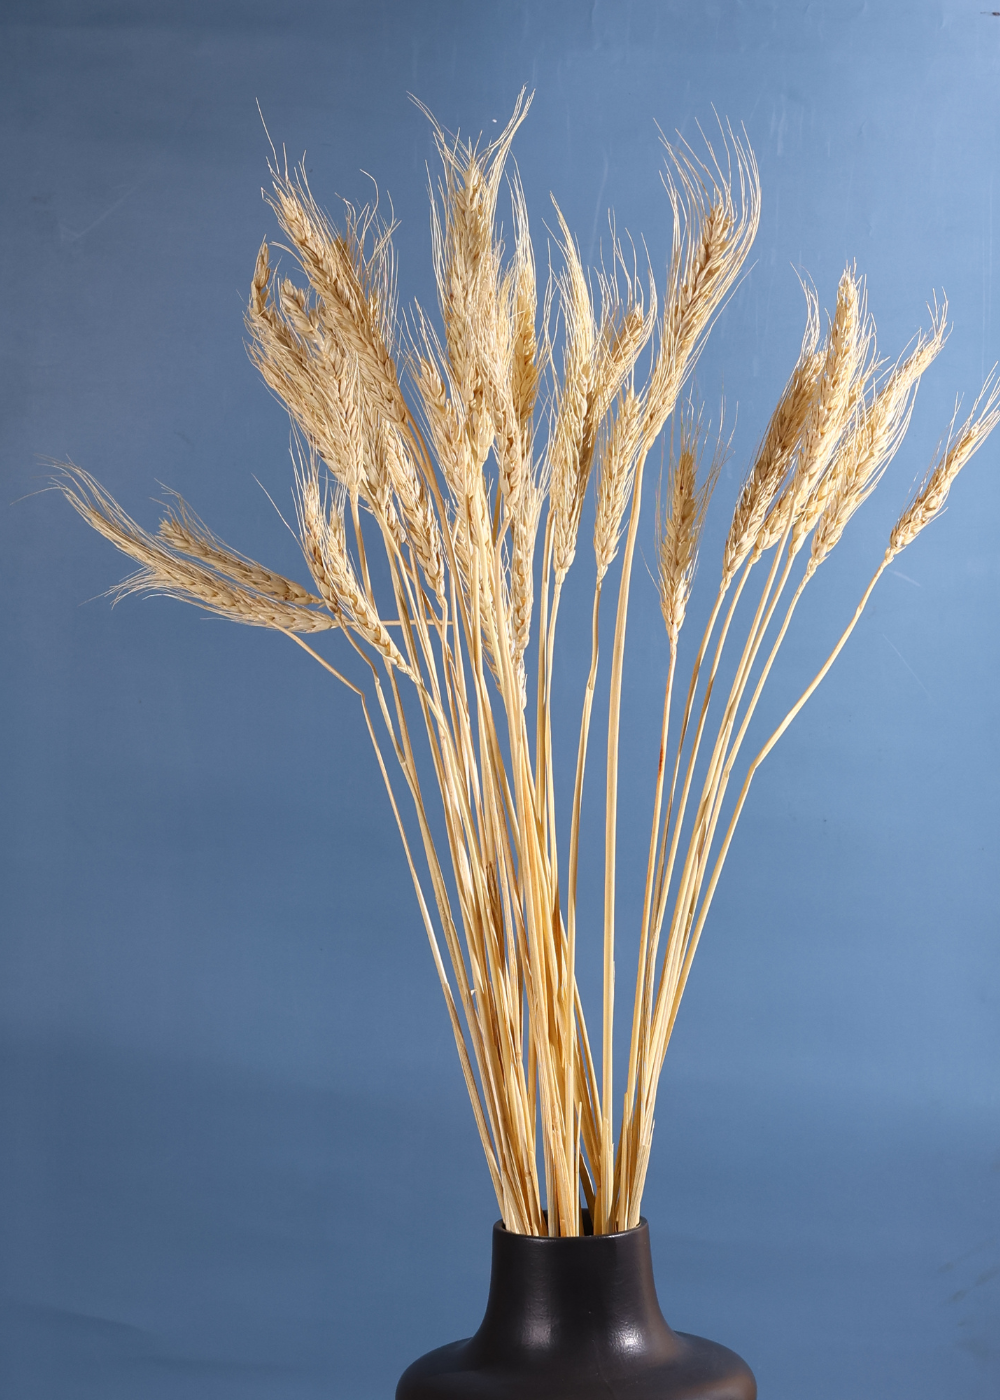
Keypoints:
pixel 576 1319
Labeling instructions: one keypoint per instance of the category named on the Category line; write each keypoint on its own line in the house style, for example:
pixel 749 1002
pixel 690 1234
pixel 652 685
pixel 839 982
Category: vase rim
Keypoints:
pixel 631 1233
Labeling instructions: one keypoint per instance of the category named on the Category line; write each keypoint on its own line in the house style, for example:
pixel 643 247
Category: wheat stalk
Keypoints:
pixel 467 470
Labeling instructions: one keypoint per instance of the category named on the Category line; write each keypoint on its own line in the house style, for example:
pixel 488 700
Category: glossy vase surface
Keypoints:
pixel 576 1319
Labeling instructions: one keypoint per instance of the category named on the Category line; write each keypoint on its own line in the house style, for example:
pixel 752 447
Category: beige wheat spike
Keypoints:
pixel 415 505
pixel 312 521
pixel 465 485
pixel 175 576
pixel 353 269
pixel 354 283
pixel 568 467
pixel 522 572
pixel 311 374
pixel 260 282
pixel 496 352
pixel 444 422
pixel 845 368
pixel 379 492
pixel 178 578
pixel 878 430
pixel 713 232
pixel 930 500
pixel 187 533
pixel 468 520
pixel 622 342
pixel 626 327
pixel 466 556
pixel 495 421
pixel 461 225
pixel 776 452
pixel 682 517
pixel 324 543
pixel 297 311
pixel 616 472
pixel 525 368
pixel 845 469
pixel 466 263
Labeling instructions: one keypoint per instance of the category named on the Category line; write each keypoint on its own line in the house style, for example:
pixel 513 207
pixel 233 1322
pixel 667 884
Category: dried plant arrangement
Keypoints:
pixel 463 452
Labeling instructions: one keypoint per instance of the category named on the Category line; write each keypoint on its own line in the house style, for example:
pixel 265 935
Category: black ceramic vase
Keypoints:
pixel 576 1319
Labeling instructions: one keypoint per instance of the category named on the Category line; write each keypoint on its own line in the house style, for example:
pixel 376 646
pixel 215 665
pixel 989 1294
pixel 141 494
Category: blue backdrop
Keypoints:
pixel 236 1158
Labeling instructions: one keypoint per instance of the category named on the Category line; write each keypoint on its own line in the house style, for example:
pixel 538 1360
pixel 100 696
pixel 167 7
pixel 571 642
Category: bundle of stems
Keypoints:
pixel 466 453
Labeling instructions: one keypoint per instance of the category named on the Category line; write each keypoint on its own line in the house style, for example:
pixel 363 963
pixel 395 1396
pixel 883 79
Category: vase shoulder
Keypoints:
pixel 576 1319
pixel 699 1370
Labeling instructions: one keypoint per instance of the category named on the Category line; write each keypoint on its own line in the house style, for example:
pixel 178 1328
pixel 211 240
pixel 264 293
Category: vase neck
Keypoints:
pixel 573 1295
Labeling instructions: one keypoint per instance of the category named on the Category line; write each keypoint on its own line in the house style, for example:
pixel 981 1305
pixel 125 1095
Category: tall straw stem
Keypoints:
pixel 688 704
pixel 758 760
pixel 685 943
pixel 541 704
pixel 680 923
pixel 574 837
pixel 610 840
pixel 467 1071
pixel 751 648
pixel 666 869
pixel 655 1014
pixel 642 972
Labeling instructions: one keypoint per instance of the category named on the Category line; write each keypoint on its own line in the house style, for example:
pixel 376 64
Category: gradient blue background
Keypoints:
pixel 235 1154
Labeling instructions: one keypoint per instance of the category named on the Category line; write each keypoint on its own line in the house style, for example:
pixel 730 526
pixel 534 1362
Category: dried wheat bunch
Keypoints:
pixel 464 451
